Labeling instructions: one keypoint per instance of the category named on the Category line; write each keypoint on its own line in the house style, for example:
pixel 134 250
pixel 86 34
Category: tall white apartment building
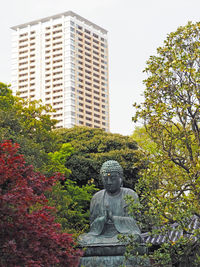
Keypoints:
pixel 63 60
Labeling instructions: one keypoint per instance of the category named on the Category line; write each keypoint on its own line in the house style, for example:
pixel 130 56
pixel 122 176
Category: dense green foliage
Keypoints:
pixel 170 185
pixel 72 205
pixel 71 201
pixel 92 147
pixel 28 125
pixel 57 160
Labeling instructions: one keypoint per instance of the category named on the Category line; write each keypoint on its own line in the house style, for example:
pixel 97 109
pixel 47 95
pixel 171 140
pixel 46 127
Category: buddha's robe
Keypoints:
pixel 103 231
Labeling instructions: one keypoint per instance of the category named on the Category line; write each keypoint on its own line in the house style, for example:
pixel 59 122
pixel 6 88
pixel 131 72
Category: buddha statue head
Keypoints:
pixel 112 176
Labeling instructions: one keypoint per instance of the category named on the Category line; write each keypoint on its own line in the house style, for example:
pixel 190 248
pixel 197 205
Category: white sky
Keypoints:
pixel 136 28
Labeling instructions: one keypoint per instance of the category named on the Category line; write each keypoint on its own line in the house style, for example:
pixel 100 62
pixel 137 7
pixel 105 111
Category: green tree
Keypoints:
pixel 94 146
pixel 71 201
pixel 57 160
pixel 28 124
pixel 72 205
pixel 170 185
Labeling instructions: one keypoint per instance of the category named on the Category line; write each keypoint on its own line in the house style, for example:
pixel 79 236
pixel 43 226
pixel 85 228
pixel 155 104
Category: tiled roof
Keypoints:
pixel 174 234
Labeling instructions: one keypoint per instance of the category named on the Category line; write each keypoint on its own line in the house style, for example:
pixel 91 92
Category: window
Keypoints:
pixel 88 83
pixel 97 42
pixel 88 89
pixel 58 43
pixel 87 37
pixel 80 98
pixel 95 52
pixel 79 92
pixel 88 95
pixel 80 33
pixel 95 35
pixel 23 46
pixel 96 75
pixel 95 58
pixel 96 98
pixel 89 107
pixel 24 34
pixel 57 25
pixel 89 119
pixel 96 47
pixel 87 48
pixel 87 31
pixel 88 60
pixel 87 71
pixel 95 69
pixel 58 37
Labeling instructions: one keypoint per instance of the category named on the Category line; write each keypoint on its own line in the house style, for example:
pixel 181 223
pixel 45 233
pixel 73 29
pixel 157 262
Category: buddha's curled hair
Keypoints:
pixel 111 166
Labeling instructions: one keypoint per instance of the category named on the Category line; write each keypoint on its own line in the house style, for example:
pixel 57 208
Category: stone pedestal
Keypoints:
pixel 112 256
pixel 113 261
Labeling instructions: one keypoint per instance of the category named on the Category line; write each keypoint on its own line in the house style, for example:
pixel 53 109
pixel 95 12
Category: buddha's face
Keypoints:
pixel 112 182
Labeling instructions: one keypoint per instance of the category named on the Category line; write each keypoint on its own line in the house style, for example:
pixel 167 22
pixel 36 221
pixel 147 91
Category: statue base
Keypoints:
pixel 113 256
pixel 113 261
pixel 112 250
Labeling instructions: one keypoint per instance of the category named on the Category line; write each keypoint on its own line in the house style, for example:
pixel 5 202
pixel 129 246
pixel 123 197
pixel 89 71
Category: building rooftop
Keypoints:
pixel 174 234
pixel 68 13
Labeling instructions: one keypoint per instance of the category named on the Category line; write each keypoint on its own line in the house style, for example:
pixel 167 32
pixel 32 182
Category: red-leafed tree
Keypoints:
pixel 29 235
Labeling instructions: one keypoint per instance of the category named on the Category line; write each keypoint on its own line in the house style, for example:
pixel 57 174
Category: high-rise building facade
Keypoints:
pixel 63 60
